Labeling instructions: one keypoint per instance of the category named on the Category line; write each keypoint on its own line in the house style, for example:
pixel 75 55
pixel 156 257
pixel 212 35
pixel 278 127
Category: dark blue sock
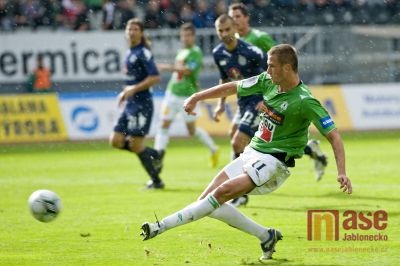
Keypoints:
pixel 146 158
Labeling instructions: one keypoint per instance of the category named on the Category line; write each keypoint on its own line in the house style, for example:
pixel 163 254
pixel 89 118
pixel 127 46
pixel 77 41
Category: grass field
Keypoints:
pixel 104 206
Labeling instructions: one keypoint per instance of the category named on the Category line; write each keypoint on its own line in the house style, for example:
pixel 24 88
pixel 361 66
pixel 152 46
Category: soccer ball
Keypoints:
pixel 45 205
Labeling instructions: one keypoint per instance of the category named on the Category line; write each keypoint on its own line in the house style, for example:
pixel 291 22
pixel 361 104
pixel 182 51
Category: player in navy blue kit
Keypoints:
pixel 237 60
pixel 134 122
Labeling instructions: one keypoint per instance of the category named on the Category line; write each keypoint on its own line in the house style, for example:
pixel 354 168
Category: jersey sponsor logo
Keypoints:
pixel 326 122
pixel 267 130
pixel 271 114
pixel 249 82
pixel 234 73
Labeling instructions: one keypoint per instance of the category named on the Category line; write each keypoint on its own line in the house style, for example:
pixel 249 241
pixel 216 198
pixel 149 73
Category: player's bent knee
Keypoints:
pixel 223 193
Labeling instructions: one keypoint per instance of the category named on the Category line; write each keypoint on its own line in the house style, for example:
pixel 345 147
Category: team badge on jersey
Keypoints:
pixel 284 106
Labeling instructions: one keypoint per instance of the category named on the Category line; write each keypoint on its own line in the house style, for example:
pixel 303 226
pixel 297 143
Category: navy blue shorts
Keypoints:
pixel 136 118
pixel 246 117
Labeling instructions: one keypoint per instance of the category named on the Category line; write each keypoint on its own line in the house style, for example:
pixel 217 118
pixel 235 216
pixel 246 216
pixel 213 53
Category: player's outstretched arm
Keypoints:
pixel 222 90
pixel 338 149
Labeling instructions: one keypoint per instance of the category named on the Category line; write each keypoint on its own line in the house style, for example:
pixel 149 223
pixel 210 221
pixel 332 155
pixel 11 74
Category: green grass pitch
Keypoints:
pixel 104 206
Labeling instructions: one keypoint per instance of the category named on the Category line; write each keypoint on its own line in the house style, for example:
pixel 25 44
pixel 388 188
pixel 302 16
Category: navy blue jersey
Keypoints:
pixel 139 63
pixel 244 61
pixel 136 118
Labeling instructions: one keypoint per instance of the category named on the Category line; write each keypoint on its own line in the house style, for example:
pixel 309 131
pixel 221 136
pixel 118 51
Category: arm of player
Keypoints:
pixel 220 108
pixel 338 149
pixel 182 70
pixel 131 90
pixel 222 90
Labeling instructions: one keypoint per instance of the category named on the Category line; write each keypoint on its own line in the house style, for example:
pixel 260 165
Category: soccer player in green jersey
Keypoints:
pixel 264 41
pixel 183 83
pixel 288 109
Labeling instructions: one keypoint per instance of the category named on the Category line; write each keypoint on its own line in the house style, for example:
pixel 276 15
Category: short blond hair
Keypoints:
pixel 285 54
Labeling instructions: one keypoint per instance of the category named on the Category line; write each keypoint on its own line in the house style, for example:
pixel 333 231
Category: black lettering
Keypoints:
pixel 8 63
pixel 41 127
pixel 42 107
pixel 25 58
pixel 54 126
pixel 75 66
pixel 53 56
pixel 29 128
pixel 17 128
pixel 86 55
pixel 6 127
pixel 31 106
pixel 112 61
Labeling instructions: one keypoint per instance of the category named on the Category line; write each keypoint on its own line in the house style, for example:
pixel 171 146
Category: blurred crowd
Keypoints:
pixel 83 15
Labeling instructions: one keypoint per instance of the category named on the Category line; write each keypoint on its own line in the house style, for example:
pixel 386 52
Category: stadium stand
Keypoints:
pixel 83 15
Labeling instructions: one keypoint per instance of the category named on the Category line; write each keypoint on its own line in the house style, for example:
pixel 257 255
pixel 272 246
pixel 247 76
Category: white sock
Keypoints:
pixel 190 213
pixel 231 216
pixel 162 139
pixel 203 136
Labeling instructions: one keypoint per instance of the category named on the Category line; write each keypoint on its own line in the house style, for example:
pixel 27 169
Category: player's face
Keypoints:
pixel 240 20
pixel 226 32
pixel 133 33
pixel 187 38
pixel 275 69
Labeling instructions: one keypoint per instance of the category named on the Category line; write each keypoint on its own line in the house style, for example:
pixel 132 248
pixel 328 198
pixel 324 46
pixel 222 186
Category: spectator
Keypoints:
pixel 40 80
pixel 203 17
pixel 81 22
pixel 123 13
pixel 108 15
pixel 154 17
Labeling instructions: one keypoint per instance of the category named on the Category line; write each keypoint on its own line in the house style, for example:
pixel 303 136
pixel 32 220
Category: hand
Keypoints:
pixel 345 183
pixel 163 67
pixel 218 111
pixel 190 104
pixel 124 94
pixel 260 106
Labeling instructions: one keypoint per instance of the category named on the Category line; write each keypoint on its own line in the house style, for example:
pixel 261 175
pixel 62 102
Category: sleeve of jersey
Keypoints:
pixel 266 42
pixel 317 114
pixel 222 73
pixel 148 63
pixel 250 86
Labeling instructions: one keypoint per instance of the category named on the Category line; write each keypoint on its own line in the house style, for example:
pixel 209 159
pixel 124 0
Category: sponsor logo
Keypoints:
pixel 326 122
pixel 327 223
pixel 84 119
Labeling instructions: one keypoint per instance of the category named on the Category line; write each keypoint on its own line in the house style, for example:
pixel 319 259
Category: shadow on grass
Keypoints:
pixel 339 195
pixel 276 262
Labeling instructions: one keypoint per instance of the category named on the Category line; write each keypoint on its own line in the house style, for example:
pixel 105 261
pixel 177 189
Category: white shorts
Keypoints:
pixel 172 105
pixel 267 172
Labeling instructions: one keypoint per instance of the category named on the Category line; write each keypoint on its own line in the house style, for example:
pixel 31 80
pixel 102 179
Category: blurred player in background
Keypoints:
pixel 288 109
pixel 183 83
pixel 135 120
pixel 237 59
pixel 240 14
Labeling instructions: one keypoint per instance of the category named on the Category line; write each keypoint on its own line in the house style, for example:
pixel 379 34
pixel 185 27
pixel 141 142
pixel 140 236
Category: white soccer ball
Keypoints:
pixel 45 205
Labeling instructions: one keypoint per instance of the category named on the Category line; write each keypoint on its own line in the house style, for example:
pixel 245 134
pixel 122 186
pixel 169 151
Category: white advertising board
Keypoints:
pixel 373 106
pixel 94 115
pixel 72 56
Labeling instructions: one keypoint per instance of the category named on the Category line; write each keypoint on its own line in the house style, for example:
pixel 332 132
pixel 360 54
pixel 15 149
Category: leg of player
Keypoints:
pixel 239 142
pixel 213 204
pixel 147 156
pixel 319 158
pixel 162 138
pixel 232 132
pixel 205 138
